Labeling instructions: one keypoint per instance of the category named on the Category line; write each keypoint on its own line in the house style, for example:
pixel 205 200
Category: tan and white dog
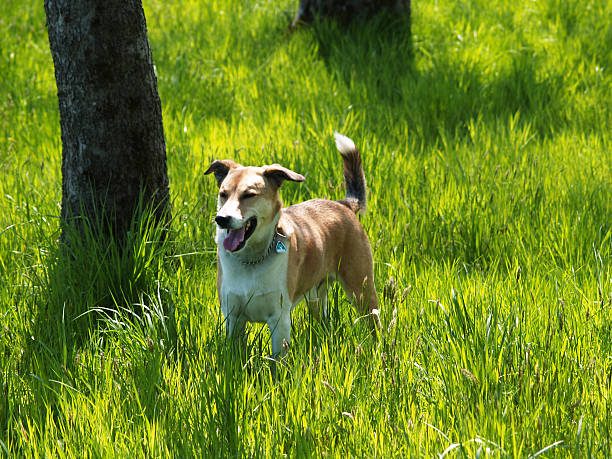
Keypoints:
pixel 270 258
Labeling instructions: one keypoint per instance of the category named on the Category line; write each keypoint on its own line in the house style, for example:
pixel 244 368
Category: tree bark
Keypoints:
pixel 347 10
pixel 114 152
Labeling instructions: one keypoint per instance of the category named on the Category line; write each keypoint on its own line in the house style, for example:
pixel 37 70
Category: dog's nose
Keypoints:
pixel 223 222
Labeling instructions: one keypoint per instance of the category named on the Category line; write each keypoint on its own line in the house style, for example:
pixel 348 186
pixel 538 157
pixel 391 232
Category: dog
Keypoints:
pixel 270 258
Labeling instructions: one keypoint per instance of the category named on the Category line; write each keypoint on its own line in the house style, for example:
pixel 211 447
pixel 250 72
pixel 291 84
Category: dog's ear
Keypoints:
pixel 221 168
pixel 277 174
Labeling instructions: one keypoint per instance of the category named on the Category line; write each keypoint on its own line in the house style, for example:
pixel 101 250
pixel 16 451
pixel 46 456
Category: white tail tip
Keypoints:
pixel 343 143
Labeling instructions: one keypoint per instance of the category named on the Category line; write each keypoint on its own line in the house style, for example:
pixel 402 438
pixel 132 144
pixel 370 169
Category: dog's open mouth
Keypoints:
pixel 236 238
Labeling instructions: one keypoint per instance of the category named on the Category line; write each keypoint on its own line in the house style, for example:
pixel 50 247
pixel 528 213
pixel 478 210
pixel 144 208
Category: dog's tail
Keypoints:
pixel 354 177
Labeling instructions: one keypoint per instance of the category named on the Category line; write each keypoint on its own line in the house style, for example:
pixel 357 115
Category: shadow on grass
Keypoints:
pixel 99 294
pixel 376 60
pixel 371 56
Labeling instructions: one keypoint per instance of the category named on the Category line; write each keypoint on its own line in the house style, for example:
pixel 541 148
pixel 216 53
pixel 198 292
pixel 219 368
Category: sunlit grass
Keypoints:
pixel 486 142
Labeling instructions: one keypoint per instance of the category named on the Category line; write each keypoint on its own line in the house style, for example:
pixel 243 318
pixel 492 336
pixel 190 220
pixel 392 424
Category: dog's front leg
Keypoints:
pixel 235 322
pixel 280 329
pixel 235 329
pixel 234 326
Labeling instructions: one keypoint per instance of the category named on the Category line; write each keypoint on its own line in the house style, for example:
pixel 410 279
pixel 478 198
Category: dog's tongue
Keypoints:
pixel 233 239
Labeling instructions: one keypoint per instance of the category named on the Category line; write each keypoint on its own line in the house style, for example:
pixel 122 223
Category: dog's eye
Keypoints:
pixel 223 195
pixel 248 195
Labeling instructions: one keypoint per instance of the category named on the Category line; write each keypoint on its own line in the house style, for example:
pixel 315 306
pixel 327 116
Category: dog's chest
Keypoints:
pixel 257 292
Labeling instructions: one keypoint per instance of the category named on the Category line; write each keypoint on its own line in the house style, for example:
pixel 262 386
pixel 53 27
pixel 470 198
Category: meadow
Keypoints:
pixel 485 133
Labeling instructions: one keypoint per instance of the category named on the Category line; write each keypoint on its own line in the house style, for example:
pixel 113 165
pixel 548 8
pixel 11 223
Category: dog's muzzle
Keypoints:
pixel 223 222
pixel 236 238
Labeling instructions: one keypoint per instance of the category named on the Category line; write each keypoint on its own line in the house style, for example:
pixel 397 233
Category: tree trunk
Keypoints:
pixel 347 10
pixel 114 152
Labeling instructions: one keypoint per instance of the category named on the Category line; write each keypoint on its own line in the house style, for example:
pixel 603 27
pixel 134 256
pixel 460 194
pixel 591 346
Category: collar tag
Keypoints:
pixel 280 247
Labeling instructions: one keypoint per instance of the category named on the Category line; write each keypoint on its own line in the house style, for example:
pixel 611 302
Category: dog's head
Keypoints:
pixel 248 201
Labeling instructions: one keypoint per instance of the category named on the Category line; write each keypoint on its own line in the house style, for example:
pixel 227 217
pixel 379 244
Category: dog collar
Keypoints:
pixel 277 245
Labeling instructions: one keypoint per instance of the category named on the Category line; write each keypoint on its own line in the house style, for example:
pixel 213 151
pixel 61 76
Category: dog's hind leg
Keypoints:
pixel 358 282
pixel 316 300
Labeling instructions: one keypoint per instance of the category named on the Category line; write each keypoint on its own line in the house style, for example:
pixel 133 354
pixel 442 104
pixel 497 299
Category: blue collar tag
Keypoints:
pixel 280 247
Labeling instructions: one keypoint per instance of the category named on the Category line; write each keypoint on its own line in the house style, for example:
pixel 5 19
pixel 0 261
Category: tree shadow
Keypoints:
pixel 93 288
pixel 376 60
pixel 370 56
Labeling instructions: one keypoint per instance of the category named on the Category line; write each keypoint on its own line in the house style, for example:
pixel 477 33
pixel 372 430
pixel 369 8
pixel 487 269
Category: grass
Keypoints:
pixel 486 141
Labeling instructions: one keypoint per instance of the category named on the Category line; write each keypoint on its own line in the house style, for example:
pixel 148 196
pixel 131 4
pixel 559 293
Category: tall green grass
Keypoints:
pixel 486 142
